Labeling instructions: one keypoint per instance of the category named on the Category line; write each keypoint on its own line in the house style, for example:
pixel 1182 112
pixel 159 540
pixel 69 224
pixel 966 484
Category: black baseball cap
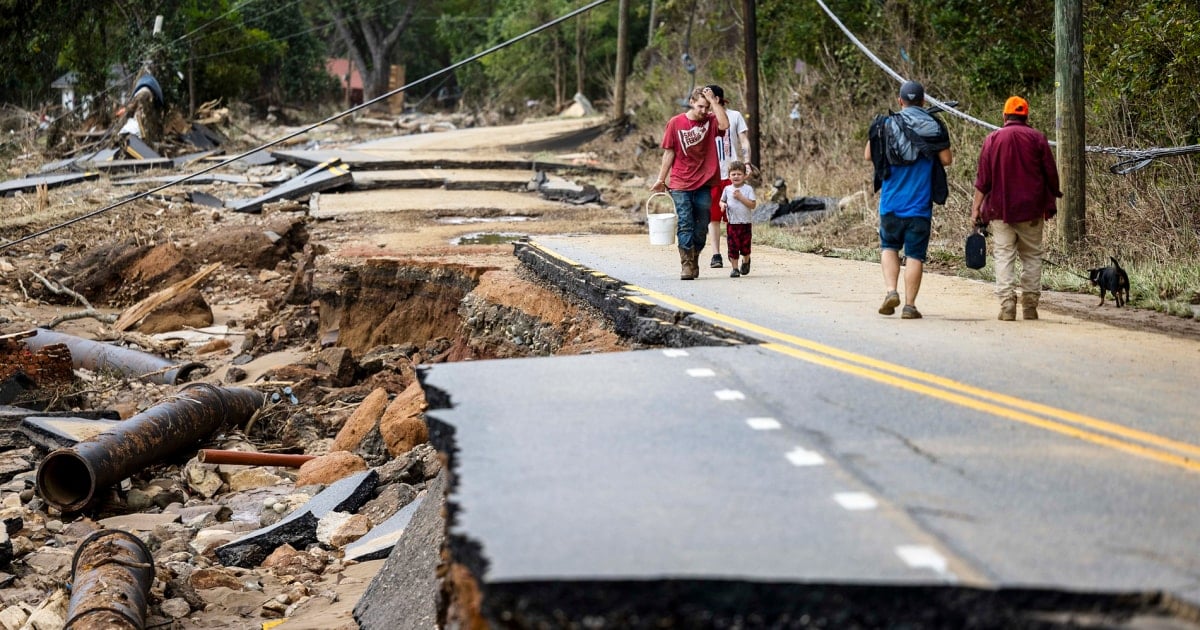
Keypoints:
pixel 912 92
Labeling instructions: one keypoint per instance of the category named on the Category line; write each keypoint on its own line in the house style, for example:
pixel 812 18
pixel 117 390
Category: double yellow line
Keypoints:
pixel 1086 428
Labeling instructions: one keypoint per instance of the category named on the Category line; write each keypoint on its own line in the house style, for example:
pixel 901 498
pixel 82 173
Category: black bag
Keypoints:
pixel 976 250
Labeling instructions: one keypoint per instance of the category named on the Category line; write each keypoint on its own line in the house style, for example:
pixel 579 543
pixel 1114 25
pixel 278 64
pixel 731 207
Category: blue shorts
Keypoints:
pixel 911 233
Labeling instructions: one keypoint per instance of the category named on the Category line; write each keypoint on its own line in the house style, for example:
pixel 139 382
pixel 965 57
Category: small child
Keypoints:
pixel 738 202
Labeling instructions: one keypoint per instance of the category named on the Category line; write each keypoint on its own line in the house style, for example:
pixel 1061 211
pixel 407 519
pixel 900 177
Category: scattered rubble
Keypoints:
pixel 150 312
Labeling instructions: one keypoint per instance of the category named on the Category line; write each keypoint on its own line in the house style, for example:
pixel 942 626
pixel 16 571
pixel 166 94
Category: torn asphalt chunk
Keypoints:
pixel 300 527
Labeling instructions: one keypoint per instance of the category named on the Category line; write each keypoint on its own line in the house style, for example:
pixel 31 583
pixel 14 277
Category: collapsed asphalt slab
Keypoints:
pixel 300 527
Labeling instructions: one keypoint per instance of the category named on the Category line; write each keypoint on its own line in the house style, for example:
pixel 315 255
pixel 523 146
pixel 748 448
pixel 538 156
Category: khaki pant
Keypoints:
pixel 1013 240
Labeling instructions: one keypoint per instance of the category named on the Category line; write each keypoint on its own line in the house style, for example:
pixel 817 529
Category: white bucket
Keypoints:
pixel 662 225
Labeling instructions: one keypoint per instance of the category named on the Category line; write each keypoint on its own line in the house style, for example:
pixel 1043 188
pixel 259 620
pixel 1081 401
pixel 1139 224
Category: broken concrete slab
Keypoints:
pixel 569 192
pixel 30 184
pixel 324 176
pixel 405 592
pixel 378 542
pixel 300 527
pixel 16 461
pixel 53 433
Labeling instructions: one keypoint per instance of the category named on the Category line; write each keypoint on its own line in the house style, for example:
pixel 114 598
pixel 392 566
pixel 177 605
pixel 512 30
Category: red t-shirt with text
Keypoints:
pixel 694 144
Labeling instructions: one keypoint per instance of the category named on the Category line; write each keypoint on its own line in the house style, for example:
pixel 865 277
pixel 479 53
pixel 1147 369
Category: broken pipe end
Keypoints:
pixel 66 480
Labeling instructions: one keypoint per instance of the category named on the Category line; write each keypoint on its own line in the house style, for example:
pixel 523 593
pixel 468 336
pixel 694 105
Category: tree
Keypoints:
pixel 370 30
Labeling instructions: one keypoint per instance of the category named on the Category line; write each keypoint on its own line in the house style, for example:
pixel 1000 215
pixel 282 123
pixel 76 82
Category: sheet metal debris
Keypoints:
pixel 69 478
pixel 30 184
pixel 324 176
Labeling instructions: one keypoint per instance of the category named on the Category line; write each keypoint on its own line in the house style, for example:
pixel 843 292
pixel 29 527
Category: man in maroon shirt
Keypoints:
pixel 1015 188
pixel 690 160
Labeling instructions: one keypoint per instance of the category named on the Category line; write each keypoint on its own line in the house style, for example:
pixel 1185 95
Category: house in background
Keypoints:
pixel 118 85
pixel 348 77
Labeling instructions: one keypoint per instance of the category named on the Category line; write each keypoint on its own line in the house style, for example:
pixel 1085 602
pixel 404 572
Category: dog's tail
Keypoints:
pixel 1114 262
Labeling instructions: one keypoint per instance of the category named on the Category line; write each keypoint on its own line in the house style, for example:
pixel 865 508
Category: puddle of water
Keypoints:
pixel 466 220
pixel 488 238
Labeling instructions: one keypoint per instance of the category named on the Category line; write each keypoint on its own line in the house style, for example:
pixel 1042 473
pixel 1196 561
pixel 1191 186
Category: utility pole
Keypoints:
pixel 750 39
pixel 1068 122
pixel 618 108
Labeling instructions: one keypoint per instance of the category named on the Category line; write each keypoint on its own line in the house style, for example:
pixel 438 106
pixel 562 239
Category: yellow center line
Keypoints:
pixel 987 407
pixel 991 401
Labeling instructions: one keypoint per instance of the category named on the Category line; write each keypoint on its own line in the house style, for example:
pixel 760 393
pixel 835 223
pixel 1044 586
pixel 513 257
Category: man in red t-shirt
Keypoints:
pixel 1015 188
pixel 690 161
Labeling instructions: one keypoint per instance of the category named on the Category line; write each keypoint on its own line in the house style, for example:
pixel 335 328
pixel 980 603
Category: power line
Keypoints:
pixel 304 130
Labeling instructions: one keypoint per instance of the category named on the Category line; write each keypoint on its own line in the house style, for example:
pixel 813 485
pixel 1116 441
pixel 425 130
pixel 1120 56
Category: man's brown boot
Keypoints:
pixel 1029 304
pixel 696 262
pixel 686 263
pixel 1008 310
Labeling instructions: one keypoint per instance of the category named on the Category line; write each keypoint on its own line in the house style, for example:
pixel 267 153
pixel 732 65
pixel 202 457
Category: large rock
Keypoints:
pixel 366 417
pixel 327 469
pixel 403 423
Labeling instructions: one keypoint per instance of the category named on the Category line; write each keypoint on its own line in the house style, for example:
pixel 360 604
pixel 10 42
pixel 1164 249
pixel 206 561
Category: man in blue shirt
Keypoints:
pixel 910 150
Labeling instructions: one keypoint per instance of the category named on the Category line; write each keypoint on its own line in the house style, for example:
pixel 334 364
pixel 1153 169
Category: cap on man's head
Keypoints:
pixel 1015 105
pixel 718 92
pixel 912 92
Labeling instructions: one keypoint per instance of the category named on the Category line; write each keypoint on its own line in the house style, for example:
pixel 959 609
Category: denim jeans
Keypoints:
pixel 692 208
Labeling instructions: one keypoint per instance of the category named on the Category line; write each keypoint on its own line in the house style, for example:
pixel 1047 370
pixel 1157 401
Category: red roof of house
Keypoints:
pixel 338 68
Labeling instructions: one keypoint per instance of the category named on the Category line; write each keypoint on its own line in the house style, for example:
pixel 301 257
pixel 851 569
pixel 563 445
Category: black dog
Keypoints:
pixel 1112 279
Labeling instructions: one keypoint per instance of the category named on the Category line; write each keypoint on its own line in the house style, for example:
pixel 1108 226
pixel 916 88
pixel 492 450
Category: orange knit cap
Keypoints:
pixel 1016 105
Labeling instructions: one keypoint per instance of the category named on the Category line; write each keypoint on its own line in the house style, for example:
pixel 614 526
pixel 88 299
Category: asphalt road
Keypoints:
pixel 849 447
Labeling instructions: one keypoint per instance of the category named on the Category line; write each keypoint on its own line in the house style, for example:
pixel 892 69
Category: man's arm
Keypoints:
pixel 664 169
pixel 976 206
pixel 946 156
pixel 718 109
pixel 867 152
pixel 745 138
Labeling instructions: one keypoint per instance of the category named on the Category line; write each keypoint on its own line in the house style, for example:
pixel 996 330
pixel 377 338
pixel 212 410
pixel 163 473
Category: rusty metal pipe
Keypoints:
pixel 69 477
pixel 97 355
pixel 252 458
pixel 111 574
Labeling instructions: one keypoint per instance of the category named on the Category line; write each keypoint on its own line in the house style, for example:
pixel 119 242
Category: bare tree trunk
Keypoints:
pixel 559 80
pixel 580 47
pixel 378 40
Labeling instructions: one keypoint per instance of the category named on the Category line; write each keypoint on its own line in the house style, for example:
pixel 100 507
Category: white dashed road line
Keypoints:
pixel 674 352
pixel 729 394
pixel 855 501
pixel 763 424
pixel 801 457
pixel 701 372
pixel 922 557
